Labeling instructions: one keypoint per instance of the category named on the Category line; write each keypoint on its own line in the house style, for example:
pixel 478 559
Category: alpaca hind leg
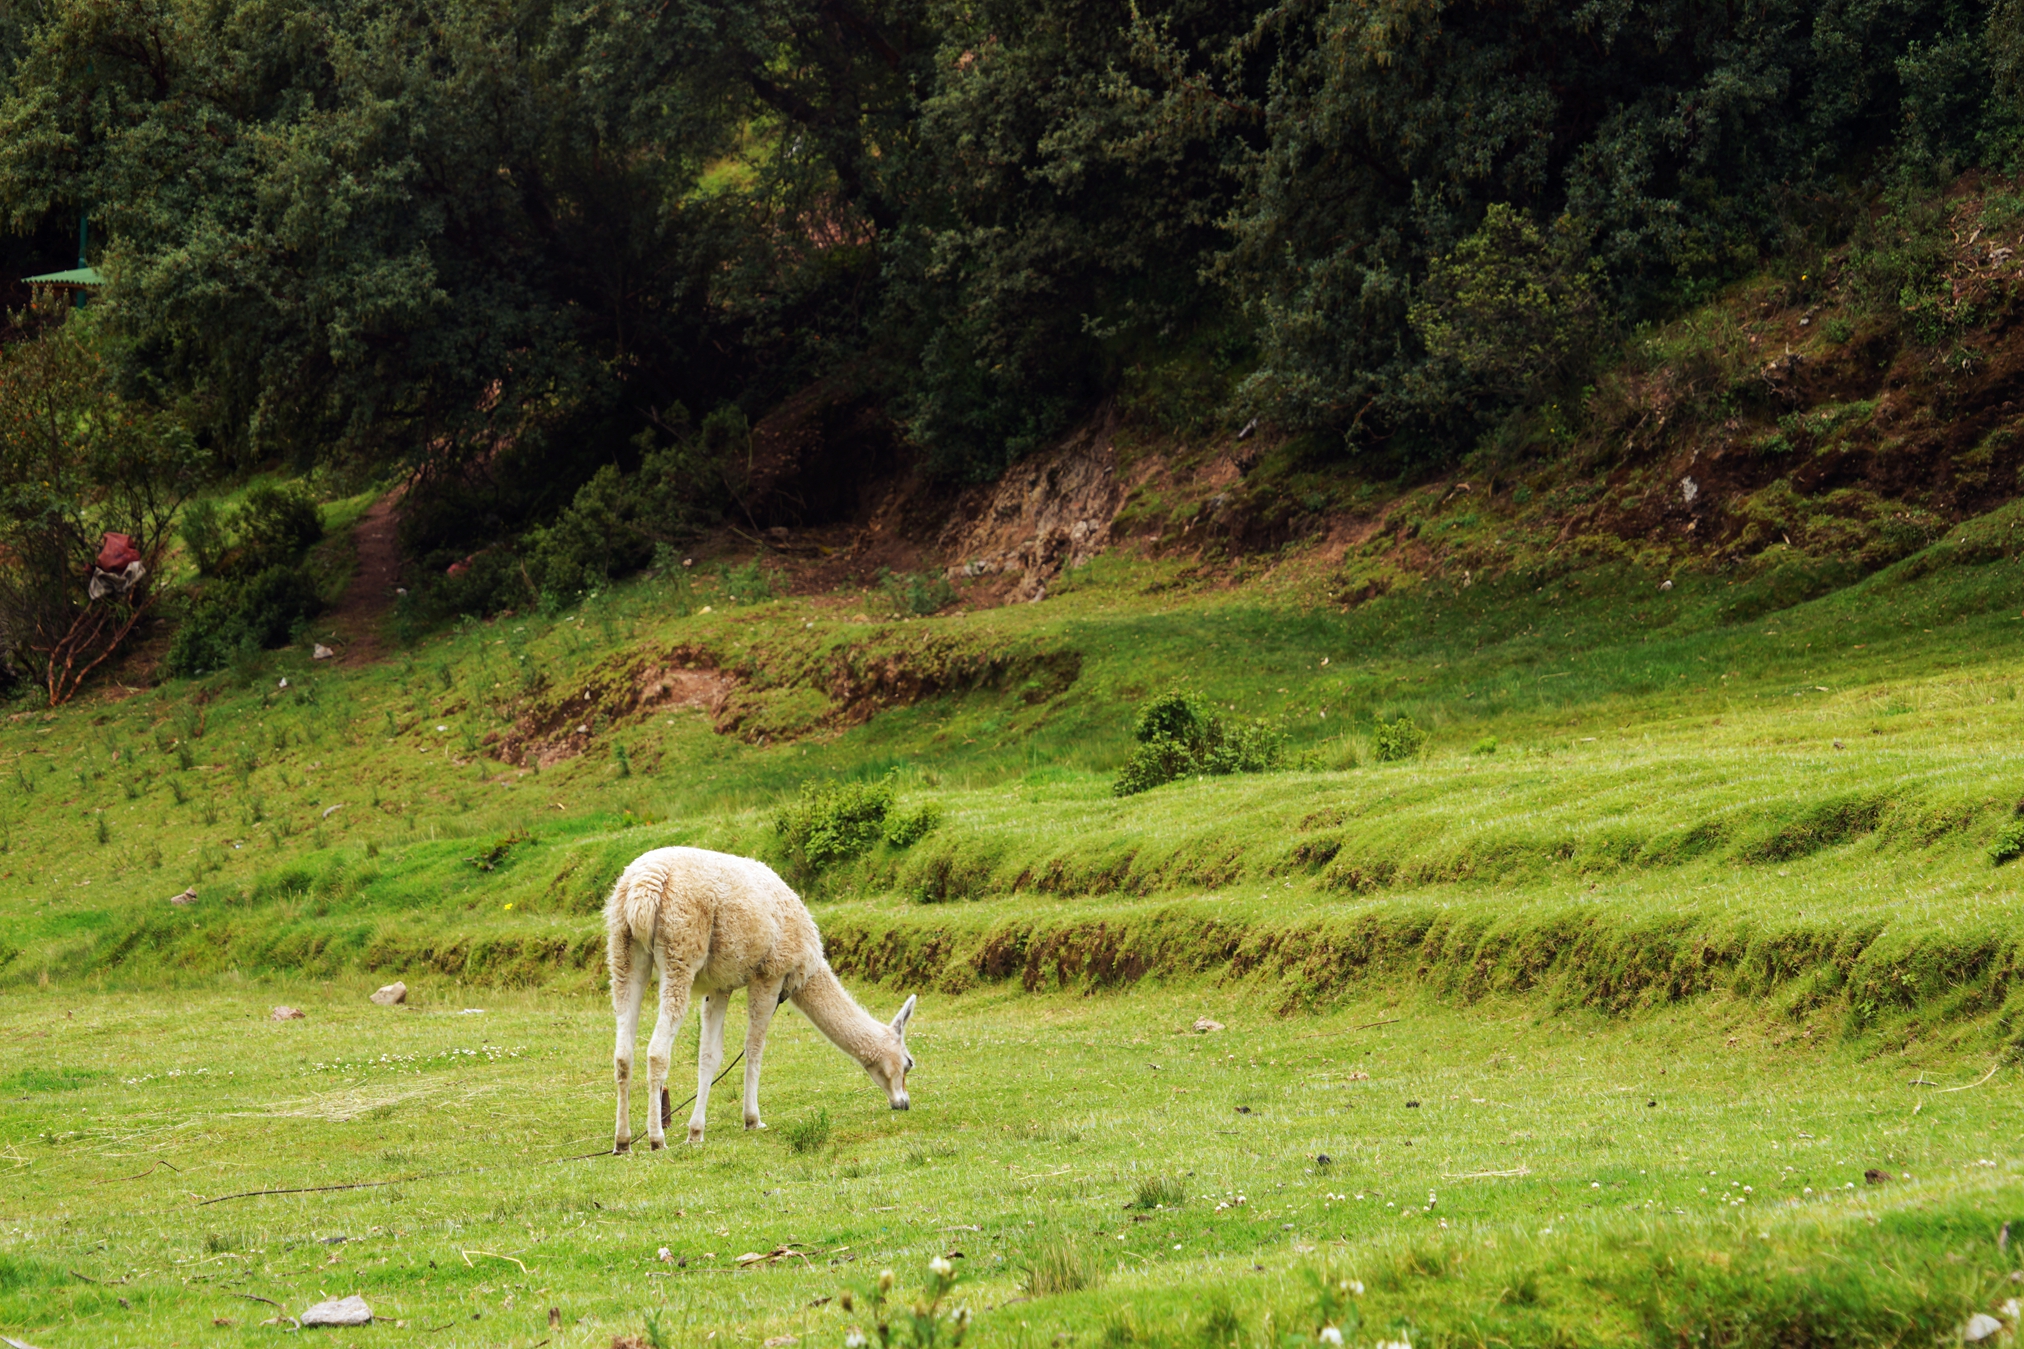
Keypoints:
pixel 709 1058
pixel 675 985
pixel 761 1001
pixel 631 968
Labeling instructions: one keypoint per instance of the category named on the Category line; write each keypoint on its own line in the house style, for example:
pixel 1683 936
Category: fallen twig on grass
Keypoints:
pixel 1373 1025
pixel 317 1189
pixel 13 1343
pixel 1966 1086
pixel 1488 1175
pixel 255 1297
pixel 493 1254
pixel 117 1180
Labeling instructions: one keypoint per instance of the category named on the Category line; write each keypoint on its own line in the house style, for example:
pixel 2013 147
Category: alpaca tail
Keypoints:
pixel 630 915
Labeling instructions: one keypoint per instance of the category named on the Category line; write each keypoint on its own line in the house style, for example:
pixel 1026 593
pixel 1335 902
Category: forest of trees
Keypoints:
pixel 527 240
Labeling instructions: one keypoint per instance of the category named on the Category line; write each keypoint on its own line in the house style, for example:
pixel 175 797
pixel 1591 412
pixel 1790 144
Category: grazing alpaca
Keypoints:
pixel 713 923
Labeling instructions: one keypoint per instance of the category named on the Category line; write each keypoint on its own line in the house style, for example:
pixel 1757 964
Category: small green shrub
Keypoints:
pixel 274 525
pixel 2009 843
pixel 205 536
pixel 1397 740
pixel 916 592
pixel 810 1133
pixel 1487 745
pixel 1177 737
pixel 234 618
pixel 905 830
pixel 747 584
pixel 1154 763
pixel 833 822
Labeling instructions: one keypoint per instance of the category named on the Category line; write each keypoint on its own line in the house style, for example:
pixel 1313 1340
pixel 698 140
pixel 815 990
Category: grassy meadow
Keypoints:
pixel 1691 889
pixel 1502 1174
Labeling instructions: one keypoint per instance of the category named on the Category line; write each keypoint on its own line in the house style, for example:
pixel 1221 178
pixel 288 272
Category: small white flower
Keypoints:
pixel 1356 1287
pixel 1330 1335
pixel 940 1267
pixel 665 1255
pixel 962 1317
pixel 855 1340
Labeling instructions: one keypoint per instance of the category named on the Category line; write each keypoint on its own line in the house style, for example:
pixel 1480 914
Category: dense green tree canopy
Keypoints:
pixel 472 234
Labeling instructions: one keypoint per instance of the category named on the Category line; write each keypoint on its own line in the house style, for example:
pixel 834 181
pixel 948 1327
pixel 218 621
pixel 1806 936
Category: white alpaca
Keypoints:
pixel 713 923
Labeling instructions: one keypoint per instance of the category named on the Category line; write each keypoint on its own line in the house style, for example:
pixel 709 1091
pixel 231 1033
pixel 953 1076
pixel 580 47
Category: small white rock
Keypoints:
pixel 339 1311
pixel 1203 1025
pixel 283 683
pixel 1980 1327
pixel 321 652
pixel 284 1014
pixel 392 995
pixel 188 896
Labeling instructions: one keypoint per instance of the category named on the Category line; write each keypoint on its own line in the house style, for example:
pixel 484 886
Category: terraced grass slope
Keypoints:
pixel 1632 792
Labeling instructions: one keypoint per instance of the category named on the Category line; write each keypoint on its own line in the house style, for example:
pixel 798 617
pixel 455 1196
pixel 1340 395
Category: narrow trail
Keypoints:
pixel 358 616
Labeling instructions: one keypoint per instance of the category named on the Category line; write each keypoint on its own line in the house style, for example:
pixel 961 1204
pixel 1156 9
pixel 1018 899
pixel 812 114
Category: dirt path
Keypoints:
pixel 371 591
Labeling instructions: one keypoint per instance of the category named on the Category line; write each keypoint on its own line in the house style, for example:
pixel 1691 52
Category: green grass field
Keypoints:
pixel 1692 889
pixel 1505 1174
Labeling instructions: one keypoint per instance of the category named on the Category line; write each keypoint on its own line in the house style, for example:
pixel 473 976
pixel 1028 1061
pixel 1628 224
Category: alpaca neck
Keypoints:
pixel 836 1014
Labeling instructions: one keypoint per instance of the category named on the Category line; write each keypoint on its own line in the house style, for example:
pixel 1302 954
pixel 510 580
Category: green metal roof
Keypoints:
pixel 77 276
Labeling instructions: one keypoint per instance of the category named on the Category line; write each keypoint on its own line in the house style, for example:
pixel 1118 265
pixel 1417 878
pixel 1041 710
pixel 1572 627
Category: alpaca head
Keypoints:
pixel 890 1063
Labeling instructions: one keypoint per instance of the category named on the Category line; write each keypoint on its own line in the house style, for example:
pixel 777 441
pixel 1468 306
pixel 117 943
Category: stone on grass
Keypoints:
pixel 339 1311
pixel 1980 1327
pixel 392 995
pixel 284 1014
pixel 321 652
pixel 1203 1025
pixel 188 896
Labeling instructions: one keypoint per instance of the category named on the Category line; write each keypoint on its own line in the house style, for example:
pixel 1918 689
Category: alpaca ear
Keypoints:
pixel 900 1021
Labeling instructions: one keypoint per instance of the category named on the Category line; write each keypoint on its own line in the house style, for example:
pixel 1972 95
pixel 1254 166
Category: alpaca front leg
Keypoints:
pixel 761 1001
pixel 674 1005
pixel 628 991
pixel 709 1058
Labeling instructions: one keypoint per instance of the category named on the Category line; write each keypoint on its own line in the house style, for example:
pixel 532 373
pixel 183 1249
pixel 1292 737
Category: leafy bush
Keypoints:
pixel 236 618
pixel 747 583
pixel 832 822
pixel 1176 737
pixel 488 583
pixel 260 594
pixel 2009 843
pixel 905 830
pixel 205 536
pixel 275 525
pixel 916 592
pixel 618 522
pixel 1397 740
